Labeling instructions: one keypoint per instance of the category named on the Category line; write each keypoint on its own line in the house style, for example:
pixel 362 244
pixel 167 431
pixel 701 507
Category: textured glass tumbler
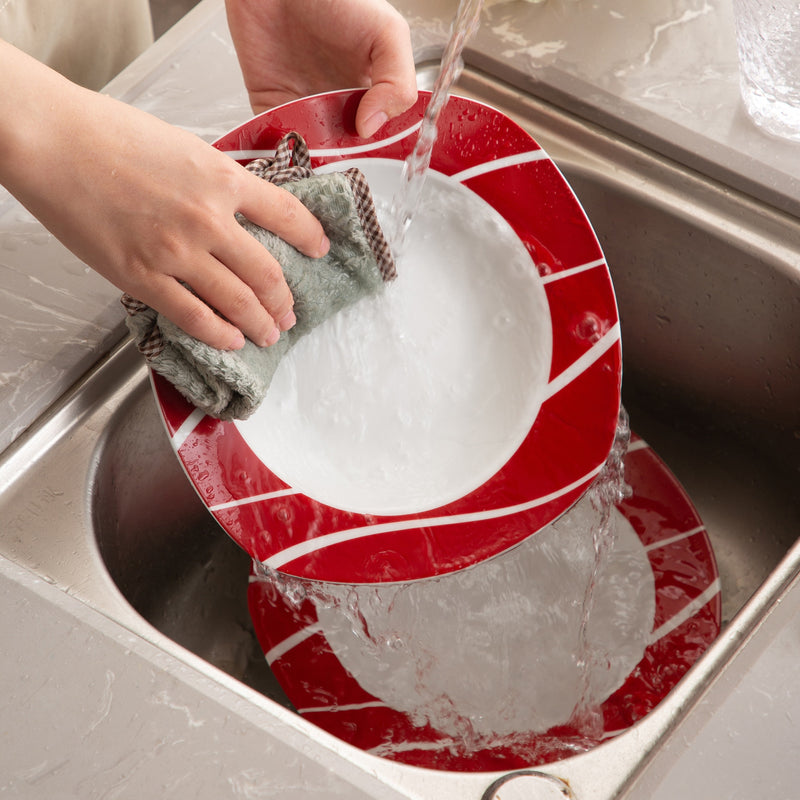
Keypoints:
pixel 768 33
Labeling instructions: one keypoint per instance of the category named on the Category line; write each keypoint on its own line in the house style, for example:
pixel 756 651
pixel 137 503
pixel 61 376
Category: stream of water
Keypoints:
pixel 407 199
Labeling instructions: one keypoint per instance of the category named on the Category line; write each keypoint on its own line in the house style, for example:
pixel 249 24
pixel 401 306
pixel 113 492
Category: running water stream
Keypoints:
pixel 415 168
pixel 604 494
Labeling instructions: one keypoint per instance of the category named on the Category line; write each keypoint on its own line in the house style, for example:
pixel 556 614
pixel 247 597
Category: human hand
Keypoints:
pixel 150 206
pixel 293 48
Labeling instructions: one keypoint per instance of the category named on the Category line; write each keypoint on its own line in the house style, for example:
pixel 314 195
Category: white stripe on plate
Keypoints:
pixel 639 444
pixel 687 612
pixel 254 499
pixel 499 163
pixel 320 542
pixel 405 747
pixel 249 155
pixel 246 155
pixel 348 707
pixel 567 273
pixel 282 648
pixel 580 365
pixel 189 424
pixel 676 538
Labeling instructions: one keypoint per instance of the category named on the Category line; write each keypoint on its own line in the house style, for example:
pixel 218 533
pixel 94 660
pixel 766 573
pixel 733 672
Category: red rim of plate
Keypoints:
pixel 569 440
pixel 687 619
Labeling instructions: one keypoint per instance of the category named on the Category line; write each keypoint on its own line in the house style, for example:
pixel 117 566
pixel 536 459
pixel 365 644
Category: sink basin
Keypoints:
pixel 708 285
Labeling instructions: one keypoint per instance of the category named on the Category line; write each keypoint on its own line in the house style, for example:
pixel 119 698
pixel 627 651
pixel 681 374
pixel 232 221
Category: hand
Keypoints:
pixel 293 48
pixel 149 206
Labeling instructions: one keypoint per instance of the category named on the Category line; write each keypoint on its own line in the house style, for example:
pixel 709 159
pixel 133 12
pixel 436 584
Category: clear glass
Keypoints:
pixel 768 34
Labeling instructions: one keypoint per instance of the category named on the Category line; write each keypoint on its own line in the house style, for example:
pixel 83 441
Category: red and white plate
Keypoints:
pixel 675 587
pixel 443 422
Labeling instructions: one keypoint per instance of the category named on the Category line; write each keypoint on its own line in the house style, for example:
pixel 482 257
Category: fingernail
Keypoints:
pixel 273 336
pixel 288 321
pixel 237 343
pixel 374 123
pixel 324 246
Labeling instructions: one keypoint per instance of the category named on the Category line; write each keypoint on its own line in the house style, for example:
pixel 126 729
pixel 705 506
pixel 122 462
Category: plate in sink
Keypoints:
pixel 384 667
pixel 465 408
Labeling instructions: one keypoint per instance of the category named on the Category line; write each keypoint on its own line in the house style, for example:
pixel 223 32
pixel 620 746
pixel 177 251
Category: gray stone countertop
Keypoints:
pixel 90 710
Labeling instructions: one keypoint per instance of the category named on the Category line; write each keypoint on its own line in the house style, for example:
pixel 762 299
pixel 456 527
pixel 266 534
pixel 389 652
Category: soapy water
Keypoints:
pixel 409 384
pixel 524 643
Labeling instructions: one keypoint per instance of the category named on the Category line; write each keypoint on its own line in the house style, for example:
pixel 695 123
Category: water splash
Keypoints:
pixel 515 654
pixel 605 493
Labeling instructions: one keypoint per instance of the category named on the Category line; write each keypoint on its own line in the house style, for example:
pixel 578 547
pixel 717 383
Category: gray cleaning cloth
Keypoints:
pixel 232 384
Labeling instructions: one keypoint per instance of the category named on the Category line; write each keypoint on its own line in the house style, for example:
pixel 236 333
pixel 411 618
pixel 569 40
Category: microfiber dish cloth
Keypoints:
pixel 232 384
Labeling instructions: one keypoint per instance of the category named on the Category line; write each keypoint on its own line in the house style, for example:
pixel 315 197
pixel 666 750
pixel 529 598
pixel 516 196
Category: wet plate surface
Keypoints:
pixel 466 408
pixel 478 670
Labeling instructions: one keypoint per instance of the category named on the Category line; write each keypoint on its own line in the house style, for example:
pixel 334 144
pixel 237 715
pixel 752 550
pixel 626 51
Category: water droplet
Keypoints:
pixel 503 320
pixel 589 328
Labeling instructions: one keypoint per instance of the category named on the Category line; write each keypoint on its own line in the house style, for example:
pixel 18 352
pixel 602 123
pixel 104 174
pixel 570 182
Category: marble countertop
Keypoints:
pixel 92 710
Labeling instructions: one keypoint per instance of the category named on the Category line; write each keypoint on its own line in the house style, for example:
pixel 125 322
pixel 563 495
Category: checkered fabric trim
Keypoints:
pixel 365 206
pixel 152 344
pixel 292 162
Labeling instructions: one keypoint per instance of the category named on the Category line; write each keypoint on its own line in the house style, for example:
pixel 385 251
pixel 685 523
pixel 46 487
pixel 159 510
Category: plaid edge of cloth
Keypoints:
pixel 151 344
pixel 292 163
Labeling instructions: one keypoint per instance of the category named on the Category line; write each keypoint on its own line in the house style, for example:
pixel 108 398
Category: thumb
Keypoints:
pixel 394 86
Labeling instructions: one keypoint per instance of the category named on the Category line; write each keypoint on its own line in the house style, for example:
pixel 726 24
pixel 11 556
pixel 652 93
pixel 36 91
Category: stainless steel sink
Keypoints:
pixel 708 284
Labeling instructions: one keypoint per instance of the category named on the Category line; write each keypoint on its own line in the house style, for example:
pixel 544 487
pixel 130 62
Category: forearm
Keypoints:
pixel 59 154
pixel 34 99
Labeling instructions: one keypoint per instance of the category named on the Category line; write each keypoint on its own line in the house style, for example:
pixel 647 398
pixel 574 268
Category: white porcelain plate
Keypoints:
pixel 410 401
pixel 497 642
pixel 457 413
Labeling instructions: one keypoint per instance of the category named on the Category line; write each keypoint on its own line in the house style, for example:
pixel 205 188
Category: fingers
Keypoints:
pixel 240 278
pixel 282 213
pixel 260 302
pixel 225 306
pixel 237 286
pixel 170 298
pixel 394 82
